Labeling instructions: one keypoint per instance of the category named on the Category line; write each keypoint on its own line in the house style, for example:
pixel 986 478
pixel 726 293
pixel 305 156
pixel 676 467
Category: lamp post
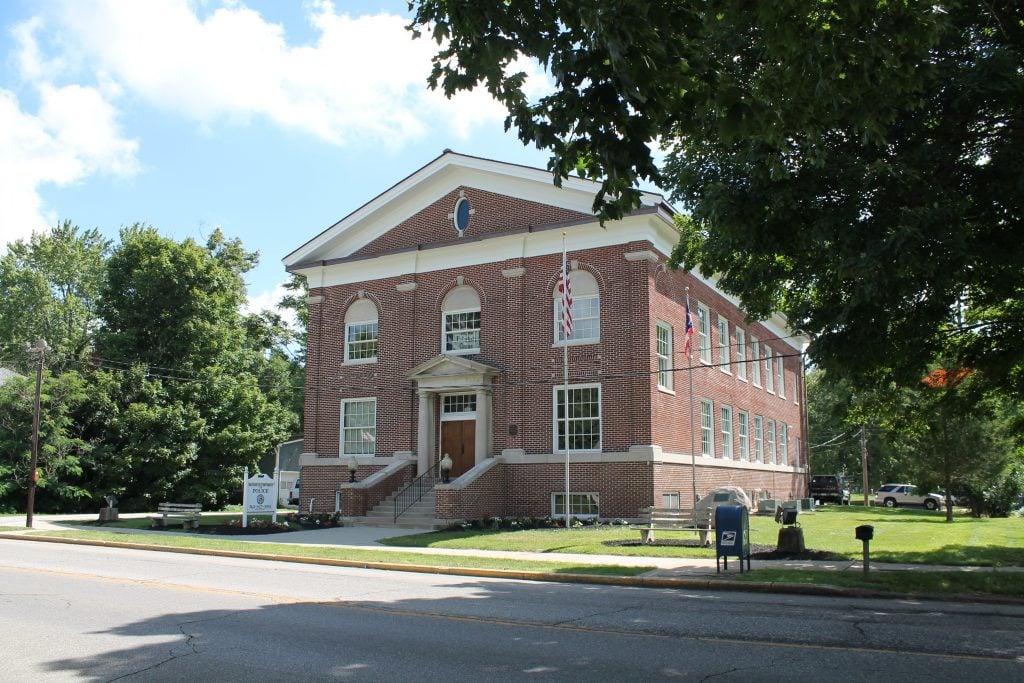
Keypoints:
pixel 353 465
pixel 40 347
pixel 446 468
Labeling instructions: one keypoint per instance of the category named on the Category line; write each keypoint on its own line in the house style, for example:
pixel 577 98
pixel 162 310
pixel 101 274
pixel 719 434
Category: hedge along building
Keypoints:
pixel 434 315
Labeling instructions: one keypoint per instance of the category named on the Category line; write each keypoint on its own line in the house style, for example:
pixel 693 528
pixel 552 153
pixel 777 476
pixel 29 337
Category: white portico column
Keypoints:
pixel 425 432
pixel 483 425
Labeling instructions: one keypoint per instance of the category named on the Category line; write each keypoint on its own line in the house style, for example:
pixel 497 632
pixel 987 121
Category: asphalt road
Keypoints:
pixel 78 613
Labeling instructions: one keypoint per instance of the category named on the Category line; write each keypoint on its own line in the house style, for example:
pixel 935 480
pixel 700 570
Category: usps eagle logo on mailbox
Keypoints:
pixel 728 538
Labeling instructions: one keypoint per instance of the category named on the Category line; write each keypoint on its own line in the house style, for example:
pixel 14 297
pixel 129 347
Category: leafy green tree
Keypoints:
pixel 62 450
pixel 854 164
pixel 189 391
pixel 954 435
pixel 51 285
pixel 837 409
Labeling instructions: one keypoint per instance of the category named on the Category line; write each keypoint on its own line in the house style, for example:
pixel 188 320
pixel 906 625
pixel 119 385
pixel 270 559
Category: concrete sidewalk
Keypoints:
pixel 365 538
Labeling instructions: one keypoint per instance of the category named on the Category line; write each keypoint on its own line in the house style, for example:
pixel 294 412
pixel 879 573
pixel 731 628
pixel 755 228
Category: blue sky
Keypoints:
pixel 270 120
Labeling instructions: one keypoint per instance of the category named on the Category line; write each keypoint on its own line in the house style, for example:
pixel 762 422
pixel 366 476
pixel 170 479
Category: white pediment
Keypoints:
pixel 432 182
pixel 451 366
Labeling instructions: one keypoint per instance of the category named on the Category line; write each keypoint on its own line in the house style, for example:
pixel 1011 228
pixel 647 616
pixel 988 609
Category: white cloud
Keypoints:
pixel 74 135
pixel 267 300
pixel 362 79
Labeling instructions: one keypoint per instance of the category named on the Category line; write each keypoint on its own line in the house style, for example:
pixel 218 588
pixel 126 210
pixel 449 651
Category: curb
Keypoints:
pixel 549 577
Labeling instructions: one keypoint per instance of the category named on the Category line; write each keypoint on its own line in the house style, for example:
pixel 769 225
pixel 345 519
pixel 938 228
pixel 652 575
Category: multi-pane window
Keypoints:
pixel 360 342
pixel 741 354
pixel 460 324
pixel 771 441
pixel 586 310
pixel 704 332
pixel 462 331
pixel 361 332
pixel 458 404
pixel 755 361
pixel 769 370
pixel 664 353
pixel 580 504
pixel 759 438
pixel 358 426
pixel 584 418
pixel 723 345
pixel 727 432
pixel 780 379
pixel 706 434
pixel 743 432
pixel 670 500
pixel 783 443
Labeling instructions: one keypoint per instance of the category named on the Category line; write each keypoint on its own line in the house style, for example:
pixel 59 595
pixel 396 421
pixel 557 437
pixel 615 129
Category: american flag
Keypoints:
pixel 565 287
pixel 689 329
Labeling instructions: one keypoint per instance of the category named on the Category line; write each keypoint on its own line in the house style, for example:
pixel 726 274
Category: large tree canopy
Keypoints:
pixel 158 386
pixel 854 164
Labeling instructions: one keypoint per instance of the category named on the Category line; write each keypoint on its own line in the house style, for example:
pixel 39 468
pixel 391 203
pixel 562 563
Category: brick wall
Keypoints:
pixel 517 338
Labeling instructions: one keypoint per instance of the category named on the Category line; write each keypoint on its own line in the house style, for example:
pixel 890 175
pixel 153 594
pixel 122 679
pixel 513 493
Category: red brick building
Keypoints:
pixel 434 328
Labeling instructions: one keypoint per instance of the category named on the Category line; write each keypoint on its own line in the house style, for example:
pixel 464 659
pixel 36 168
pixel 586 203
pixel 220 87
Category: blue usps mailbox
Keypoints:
pixel 732 535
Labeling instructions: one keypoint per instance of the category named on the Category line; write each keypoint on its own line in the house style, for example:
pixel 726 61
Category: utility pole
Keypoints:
pixel 40 347
pixel 864 464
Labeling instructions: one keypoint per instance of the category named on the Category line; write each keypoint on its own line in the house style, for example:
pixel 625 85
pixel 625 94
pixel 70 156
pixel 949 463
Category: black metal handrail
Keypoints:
pixel 414 492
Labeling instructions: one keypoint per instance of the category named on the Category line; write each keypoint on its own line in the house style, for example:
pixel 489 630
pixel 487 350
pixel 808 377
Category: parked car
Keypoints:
pixel 829 488
pixel 893 495
pixel 293 494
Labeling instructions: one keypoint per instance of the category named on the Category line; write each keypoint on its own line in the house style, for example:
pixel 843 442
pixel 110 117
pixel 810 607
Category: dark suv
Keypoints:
pixel 829 488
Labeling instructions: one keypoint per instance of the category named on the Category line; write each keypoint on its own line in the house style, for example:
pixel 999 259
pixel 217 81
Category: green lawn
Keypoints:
pixel 915 582
pixel 901 535
pixel 207 519
pixel 206 542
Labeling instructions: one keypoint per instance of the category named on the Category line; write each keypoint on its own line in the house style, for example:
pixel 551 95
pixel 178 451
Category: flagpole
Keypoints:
pixel 565 379
pixel 689 372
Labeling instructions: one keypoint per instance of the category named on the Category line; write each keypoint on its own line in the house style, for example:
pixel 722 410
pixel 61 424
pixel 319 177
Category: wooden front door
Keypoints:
pixel 458 440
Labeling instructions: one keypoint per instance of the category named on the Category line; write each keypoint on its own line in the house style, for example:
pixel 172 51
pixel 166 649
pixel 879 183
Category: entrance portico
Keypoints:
pixel 466 416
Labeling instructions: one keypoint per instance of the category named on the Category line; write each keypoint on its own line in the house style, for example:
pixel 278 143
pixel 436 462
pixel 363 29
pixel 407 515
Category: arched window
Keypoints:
pixel 460 321
pixel 586 310
pixel 361 332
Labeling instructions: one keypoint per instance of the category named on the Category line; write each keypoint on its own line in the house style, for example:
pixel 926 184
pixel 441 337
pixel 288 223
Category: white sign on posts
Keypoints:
pixel 259 496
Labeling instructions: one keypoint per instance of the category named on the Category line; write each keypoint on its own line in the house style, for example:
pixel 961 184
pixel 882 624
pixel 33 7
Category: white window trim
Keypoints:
pixel 769 369
pixel 724 357
pixel 341 426
pixel 780 375
pixel 670 494
pixel 444 334
pixel 726 452
pixel 557 320
pixel 465 415
pixel 704 333
pixel 581 515
pixel 708 452
pixel 360 361
pixel 755 361
pixel 667 385
pixel 783 443
pixel 743 433
pixel 741 354
pixel 770 434
pixel 759 438
pixel 554 417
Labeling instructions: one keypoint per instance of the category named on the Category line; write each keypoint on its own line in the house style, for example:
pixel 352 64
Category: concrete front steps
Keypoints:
pixel 419 516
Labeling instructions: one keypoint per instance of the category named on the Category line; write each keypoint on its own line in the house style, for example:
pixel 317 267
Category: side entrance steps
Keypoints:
pixel 420 515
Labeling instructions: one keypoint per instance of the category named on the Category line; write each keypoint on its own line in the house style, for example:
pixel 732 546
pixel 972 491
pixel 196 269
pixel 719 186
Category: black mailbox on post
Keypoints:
pixel 732 534
pixel 864 532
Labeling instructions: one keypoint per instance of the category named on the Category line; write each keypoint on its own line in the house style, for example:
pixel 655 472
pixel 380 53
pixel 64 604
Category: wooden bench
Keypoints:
pixel 672 519
pixel 187 513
